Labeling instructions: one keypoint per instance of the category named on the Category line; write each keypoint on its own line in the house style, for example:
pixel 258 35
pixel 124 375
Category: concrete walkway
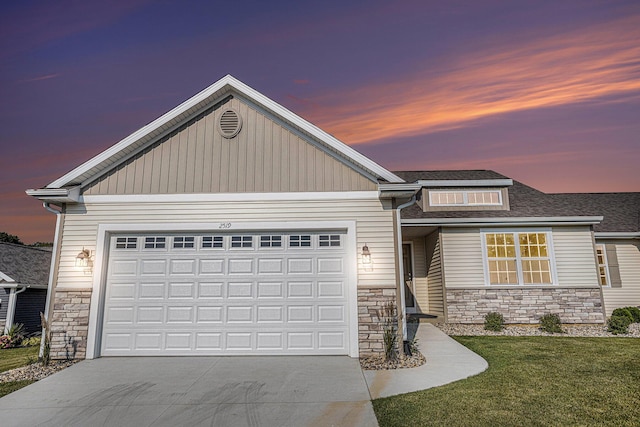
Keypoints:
pixel 447 361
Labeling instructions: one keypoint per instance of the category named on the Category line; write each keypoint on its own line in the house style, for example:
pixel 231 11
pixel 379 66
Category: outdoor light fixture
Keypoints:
pixel 83 259
pixel 366 254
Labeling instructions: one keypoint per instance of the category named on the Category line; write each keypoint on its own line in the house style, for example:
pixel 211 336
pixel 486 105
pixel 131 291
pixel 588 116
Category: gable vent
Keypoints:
pixel 229 123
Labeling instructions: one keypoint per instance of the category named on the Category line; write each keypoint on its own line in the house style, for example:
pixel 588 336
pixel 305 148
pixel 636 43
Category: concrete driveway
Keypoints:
pixel 197 391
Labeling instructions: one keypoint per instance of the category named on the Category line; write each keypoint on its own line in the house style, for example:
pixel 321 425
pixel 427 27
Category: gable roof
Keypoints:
pixel 171 120
pixel 24 265
pixel 620 211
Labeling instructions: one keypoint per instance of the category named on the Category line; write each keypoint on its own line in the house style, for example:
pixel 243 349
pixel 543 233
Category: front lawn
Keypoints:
pixel 11 358
pixel 531 381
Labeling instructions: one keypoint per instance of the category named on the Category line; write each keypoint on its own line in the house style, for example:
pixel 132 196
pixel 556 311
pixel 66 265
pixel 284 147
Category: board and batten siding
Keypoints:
pixel 434 274
pixel 420 275
pixel 374 227
pixel 265 156
pixel 628 294
pixel 572 247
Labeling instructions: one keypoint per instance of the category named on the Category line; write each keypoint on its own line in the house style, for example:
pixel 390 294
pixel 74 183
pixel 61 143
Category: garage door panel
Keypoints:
pixel 287 297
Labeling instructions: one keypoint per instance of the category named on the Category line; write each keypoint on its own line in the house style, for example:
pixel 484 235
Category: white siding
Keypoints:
pixel 374 227
pixel 462 255
pixel 434 274
pixel 629 261
pixel 575 259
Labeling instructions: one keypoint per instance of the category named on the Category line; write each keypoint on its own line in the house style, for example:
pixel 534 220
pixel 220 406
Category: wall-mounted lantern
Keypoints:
pixel 83 259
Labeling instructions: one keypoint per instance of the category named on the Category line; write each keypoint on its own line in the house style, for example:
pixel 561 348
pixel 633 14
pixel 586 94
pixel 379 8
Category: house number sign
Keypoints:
pixel 225 225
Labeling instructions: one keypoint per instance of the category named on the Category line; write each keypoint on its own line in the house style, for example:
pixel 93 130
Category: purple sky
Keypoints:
pixel 546 92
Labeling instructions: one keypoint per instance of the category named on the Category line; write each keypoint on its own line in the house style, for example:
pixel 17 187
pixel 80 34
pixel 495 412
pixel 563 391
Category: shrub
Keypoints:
pixel 623 312
pixel 14 336
pixel 389 331
pixel 618 324
pixel 494 321
pixel 635 312
pixel 31 342
pixel 551 323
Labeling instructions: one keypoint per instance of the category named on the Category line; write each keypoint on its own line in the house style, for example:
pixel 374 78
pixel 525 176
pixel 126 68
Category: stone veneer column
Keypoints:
pixel 70 323
pixel 525 305
pixel 371 302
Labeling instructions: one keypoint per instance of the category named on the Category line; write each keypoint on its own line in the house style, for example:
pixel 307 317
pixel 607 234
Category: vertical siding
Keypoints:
pixel 629 260
pixel 575 260
pixel 420 275
pixel 374 227
pixel 263 157
pixel 434 274
pixel 463 262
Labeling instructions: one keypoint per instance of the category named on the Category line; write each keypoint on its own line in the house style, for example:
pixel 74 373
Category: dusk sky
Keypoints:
pixel 545 92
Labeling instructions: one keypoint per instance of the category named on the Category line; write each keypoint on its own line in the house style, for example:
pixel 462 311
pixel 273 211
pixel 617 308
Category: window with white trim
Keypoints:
pixel 126 242
pixel 300 241
pixel 270 241
pixel 465 198
pixel 154 242
pixel 603 267
pixel 212 242
pixel 241 241
pixel 329 240
pixel 184 242
pixel 518 258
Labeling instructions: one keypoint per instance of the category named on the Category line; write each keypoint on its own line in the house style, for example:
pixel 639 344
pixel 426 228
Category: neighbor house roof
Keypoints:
pixel 24 265
pixel 224 87
pixel 620 211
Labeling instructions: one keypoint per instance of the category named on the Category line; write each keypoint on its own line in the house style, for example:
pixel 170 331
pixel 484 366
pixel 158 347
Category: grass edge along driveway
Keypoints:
pixel 531 381
pixel 11 358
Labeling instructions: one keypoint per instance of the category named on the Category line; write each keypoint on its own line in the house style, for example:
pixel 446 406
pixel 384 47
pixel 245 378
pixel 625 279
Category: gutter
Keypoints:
pixel 504 221
pixel 55 195
pixel 618 235
pixel 11 309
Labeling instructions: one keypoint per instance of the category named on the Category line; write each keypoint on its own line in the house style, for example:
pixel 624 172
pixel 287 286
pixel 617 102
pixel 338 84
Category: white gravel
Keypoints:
pixel 533 330
pixel 34 371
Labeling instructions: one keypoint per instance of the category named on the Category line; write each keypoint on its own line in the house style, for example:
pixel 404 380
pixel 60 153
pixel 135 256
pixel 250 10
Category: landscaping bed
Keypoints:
pixel 375 363
pixel 460 329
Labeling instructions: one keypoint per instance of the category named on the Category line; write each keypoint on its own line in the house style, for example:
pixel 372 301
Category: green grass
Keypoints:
pixel 11 358
pixel 531 381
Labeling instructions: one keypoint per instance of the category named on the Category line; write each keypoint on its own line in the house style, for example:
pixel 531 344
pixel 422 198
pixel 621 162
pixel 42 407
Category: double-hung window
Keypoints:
pixel 518 258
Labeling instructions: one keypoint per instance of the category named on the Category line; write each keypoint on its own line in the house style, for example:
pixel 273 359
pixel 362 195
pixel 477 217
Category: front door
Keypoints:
pixel 407 260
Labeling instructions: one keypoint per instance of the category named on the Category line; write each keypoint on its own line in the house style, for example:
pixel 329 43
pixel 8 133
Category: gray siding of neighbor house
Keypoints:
pixel 29 305
pixel 265 156
pixel 4 296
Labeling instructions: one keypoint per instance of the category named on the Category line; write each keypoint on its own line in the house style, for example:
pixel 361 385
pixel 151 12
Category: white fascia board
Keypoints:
pixel 228 82
pixel 505 221
pixel 617 235
pixel 231 197
pixel 56 195
pixel 465 182
pixel 21 285
pixel 5 278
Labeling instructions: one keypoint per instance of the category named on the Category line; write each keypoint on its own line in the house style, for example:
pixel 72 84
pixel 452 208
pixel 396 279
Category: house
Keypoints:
pixel 232 226
pixel 24 275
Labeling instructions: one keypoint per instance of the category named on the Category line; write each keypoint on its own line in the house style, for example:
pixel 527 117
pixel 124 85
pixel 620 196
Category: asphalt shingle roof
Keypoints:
pixel 24 264
pixel 621 211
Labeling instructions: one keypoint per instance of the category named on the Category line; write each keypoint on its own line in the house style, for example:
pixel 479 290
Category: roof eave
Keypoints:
pixel 465 182
pixel 503 221
pixel 56 195
pixel 618 235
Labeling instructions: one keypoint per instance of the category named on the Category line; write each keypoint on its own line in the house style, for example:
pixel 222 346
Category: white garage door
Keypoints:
pixel 245 293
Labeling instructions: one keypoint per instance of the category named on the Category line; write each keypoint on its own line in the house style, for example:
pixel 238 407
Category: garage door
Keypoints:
pixel 236 294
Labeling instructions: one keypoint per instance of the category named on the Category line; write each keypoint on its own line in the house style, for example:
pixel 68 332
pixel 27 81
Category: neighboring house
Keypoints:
pixel 232 226
pixel 24 275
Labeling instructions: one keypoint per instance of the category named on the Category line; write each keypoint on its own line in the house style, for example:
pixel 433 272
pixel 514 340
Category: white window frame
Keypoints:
pixel 465 198
pixel 516 232
pixel 605 265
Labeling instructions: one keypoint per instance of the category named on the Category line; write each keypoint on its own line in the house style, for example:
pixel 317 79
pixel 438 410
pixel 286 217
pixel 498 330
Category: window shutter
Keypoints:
pixel 614 268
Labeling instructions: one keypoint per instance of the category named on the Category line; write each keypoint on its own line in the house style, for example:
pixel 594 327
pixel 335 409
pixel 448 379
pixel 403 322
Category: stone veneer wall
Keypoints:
pixel 371 302
pixel 525 305
pixel 70 323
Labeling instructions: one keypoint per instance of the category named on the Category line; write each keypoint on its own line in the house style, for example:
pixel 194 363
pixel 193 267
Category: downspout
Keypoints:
pixel 400 303
pixel 55 256
pixel 11 309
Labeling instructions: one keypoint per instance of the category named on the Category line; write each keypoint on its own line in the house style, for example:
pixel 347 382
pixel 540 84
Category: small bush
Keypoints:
pixel 618 325
pixel 494 321
pixel 14 336
pixel 389 331
pixel 551 323
pixel 623 312
pixel 635 312
pixel 31 342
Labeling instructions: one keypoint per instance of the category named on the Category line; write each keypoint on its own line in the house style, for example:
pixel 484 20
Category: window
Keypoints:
pixel 300 241
pixel 241 241
pixel 212 241
pixel 180 242
pixel 270 241
pixel 154 242
pixel 465 198
pixel 327 240
pixel 518 258
pixel 126 242
pixel 603 268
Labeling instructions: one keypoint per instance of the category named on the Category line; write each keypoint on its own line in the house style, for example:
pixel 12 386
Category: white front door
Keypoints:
pixel 226 293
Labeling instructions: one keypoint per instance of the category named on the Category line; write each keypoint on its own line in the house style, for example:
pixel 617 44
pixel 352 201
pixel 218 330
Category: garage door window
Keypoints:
pixel 300 241
pixel 329 240
pixel 154 242
pixel 270 241
pixel 126 242
pixel 241 241
pixel 214 242
pixel 182 242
